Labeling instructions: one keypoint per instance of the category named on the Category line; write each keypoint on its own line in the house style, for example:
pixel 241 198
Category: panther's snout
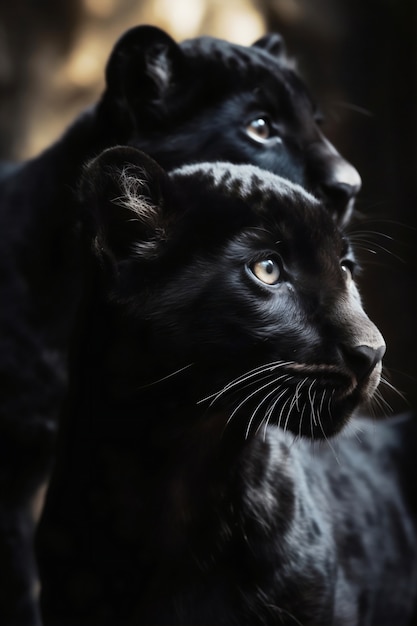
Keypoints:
pixel 362 346
pixel 340 181
pixel 363 360
pixel 341 188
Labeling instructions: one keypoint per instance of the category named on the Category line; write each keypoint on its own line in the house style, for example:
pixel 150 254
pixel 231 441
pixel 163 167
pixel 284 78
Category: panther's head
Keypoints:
pixel 262 316
pixel 207 100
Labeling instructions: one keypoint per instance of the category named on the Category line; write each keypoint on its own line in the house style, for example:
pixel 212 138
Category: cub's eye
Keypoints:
pixel 259 129
pixel 347 269
pixel 267 271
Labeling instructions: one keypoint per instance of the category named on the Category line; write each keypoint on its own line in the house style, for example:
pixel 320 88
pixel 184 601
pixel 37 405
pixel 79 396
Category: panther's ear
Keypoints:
pixel 274 44
pixel 123 192
pixel 141 70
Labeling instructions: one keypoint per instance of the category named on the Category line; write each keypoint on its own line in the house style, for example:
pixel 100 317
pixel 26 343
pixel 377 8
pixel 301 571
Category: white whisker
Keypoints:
pixel 160 380
pixel 300 425
pixel 251 395
pixel 268 367
pixel 322 402
pixel 385 382
pixel 288 415
pixel 282 413
pixel 272 407
pixel 325 436
pixel 268 395
pixel 329 410
pixel 311 400
pixel 381 403
pixel 311 426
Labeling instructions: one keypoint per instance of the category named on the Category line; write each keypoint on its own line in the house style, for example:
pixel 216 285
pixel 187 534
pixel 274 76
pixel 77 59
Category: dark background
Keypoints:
pixel 359 58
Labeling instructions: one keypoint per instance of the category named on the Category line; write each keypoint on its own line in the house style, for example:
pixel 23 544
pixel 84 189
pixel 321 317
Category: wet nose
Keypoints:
pixel 362 359
pixel 339 192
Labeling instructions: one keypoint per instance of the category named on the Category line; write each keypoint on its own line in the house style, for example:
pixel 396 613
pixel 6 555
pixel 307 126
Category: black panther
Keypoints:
pixel 201 99
pixel 197 482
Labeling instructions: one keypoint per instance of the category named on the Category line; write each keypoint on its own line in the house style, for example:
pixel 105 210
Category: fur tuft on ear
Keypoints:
pixel 274 44
pixel 124 190
pixel 141 70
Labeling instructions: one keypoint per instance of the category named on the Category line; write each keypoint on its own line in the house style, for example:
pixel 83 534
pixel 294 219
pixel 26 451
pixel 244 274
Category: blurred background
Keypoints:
pixel 359 58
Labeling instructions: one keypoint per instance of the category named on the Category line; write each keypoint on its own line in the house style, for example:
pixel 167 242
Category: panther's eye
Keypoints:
pixel 267 271
pixel 259 129
pixel 347 269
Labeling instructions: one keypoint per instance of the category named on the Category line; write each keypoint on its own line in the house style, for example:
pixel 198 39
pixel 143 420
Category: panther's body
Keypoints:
pixel 188 489
pixel 206 99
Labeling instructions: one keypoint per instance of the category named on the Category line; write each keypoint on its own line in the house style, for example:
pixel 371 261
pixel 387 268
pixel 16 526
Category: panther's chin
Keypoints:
pixel 323 404
pixel 345 403
pixel 312 425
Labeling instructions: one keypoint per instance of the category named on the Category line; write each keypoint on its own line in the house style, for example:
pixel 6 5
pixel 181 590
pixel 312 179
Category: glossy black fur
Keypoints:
pixel 184 494
pixel 181 103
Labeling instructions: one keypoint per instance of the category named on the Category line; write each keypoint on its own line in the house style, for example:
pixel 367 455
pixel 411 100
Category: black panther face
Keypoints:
pixel 207 99
pixel 264 307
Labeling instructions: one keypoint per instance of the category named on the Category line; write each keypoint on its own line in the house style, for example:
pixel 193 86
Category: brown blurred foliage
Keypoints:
pixel 53 54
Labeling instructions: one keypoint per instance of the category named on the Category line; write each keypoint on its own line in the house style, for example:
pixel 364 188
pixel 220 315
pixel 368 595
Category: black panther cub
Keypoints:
pixel 189 489
pixel 202 99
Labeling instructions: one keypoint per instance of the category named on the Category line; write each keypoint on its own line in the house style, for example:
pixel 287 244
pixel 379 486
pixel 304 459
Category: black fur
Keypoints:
pixel 184 494
pixel 181 103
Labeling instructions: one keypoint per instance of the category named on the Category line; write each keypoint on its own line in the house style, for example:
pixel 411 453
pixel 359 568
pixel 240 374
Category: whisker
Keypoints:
pixel 302 413
pixel 272 408
pixel 295 398
pixel 300 425
pixel 268 395
pixel 322 401
pixel 381 403
pixel 327 440
pixel 311 426
pixel 269 413
pixel 385 382
pixel 265 424
pixel 364 219
pixel 312 403
pixel 251 395
pixel 160 380
pixel 329 403
pixel 297 392
pixel 268 367
pixel 282 413
pixel 382 248
pixel 402 373
pixel 377 233
pixel 363 249
pixel 251 383
pixel 353 107
pixel 289 415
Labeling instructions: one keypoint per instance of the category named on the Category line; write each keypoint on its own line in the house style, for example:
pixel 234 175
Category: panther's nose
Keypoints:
pixel 340 189
pixel 362 360
pixel 340 181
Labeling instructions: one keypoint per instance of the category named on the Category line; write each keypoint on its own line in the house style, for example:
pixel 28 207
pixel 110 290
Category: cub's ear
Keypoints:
pixel 123 192
pixel 141 69
pixel 274 44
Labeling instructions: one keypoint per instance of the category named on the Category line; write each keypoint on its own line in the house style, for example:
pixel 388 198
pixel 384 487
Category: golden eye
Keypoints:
pixel 259 129
pixel 267 271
